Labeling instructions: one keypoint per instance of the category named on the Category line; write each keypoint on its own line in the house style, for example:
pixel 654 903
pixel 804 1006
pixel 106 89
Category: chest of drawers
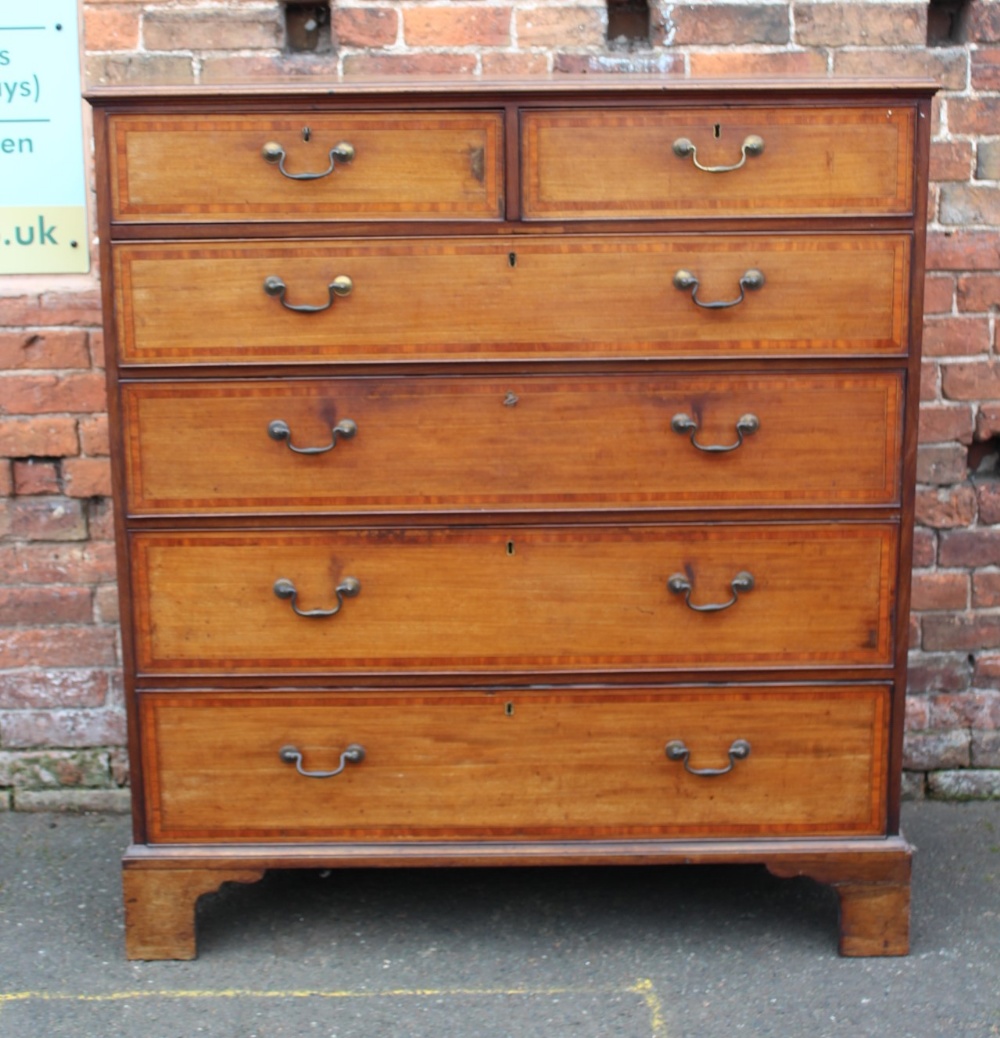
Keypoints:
pixel 514 474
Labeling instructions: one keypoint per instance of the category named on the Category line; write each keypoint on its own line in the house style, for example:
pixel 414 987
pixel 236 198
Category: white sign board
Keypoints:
pixel 43 209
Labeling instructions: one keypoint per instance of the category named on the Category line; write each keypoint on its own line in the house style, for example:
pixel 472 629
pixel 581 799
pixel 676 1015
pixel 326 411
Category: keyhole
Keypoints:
pixel 512 258
pixel 510 547
pixel 717 130
pixel 508 709
pixel 307 133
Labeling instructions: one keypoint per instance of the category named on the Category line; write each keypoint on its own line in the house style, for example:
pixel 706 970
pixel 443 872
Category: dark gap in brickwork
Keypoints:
pixel 628 23
pixel 945 22
pixel 307 28
pixel 984 457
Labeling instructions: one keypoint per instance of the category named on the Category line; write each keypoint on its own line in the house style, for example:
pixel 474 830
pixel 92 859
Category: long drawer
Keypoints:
pixel 225 168
pixel 586 297
pixel 629 163
pixel 513 600
pixel 515 765
pixel 513 443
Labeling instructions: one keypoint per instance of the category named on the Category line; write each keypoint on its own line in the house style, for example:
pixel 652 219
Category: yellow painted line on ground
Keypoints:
pixel 642 988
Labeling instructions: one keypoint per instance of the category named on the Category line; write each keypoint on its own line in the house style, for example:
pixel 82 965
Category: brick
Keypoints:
pixel 977 380
pixel 966 204
pixel 511 63
pixel 944 423
pixel 119 763
pixel 944 508
pixel 731 24
pixel 916 714
pixel 930 382
pixel 564 27
pixel 974 117
pixel 939 293
pixel 55 768
pixel 924 548
pixel 860 24
pixel 47 394
pixel 974 708
pixel 95 343
pixel 981 23
pixel 85 563
pixel 457 26
pixel 44 348
pixel 924 751
pixel 739 64
pixel 913 786
pixel 985 72
pixel 956 336
pixel 950 633
pixel 364 26
pixel 73 801
pixel 963 250
pixel 36 476
pixel 658 64
pixel 947 672
pixel 988 421
pixel 978 293
pixel 263 67
pixel 111 27
pixel 47 437
pixel 64 728
pixel 988 494
pixel 138 70
pixel 228 29
pixel 420 63
pixel 981 784
pixel 6 478
pixel 58 647
pixel 915 634
pixel 935 590
pixel 986 589
pixel 987 671
pixel 101 519
pixel 951 160
pixel 94 436
pixel 47 688
pixel 972 549
pixel 72 308
pixel 948 68
pixel 48 519
pixel 985 749
pixel 106 609
pixel 942 464
pixel 87 477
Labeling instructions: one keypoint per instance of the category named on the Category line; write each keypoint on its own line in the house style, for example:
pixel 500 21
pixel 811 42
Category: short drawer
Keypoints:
pixel 515 443
pixel 644 163
pixel 515 765
pixel 514 600
pixel 585 296
pixel 307 166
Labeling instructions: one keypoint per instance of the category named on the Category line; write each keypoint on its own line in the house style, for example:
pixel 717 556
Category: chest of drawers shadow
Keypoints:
pixel 514 474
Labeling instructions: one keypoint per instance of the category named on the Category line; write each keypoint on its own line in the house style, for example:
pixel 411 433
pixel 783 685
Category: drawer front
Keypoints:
pixel 212 168
pixel 517 443
pixel 518 600
pixel 581 297
pixel 624 163
pixel 515 765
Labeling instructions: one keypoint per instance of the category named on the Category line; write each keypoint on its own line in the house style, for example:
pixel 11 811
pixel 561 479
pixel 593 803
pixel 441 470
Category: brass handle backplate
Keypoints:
pixel 752 146
pixel 676 750
pixel 349 587
pixel 680 585
pixel 751 280
pixel 274 153
pixel 354 754
pixel 279 430
pixel 339 286
pixel 746 426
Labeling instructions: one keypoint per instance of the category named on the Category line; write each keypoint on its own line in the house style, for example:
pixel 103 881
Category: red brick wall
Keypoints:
pixel 61 728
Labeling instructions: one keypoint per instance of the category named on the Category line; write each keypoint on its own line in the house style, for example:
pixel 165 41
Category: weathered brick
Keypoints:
pixel 987 671
pixel 974 117
pixel 48 519
pixel 939 293
pixel 94 438
pixel 942 464
pixel 930 381
pixel 981 22
pixel 974 708
pixel 231 28
pixel 29 606
pixel 111 27
pixel 951 160
pixel 95 345
pixel 976 380
pixel 45 348
pixel 980 784
pixel 73 801
pixel 457 26
pixel 854 24
pixel 48 394
pixel 946 672
pixel 106 605
pixel 568 27
pixel 263 67
pixel 6 478
pixel 418 63
pixel 972 549
pixel 985 73
pixel 986 589
pixel 36 476
pixel 967 204
pixel 731 24
pixel 55 768
pixel 659 63
pixel 916 713
pixel 946 422
pixel 135 69
pixel 46 437
pixel 87 563
pixel 924 547
pixel 948 68
pixel 513 63
pixel 87 477
pixel 950 633
pixel 746 64
pixel 985 750
pixel 47 688
pixel 988 494
pixel 101 519
pixel 963 250
pixel 65 728
pixel 913 786
pixel 978 293
pixel 946 507
pixel 987 421
pixel 58 647
pixel 956 336
pixel 364 26
pixel 925 751
pixel 934 590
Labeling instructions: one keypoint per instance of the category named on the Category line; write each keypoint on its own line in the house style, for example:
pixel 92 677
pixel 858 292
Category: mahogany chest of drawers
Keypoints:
pixel 514 474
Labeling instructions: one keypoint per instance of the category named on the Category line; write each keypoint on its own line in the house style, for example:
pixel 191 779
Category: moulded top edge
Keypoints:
pixel 669 86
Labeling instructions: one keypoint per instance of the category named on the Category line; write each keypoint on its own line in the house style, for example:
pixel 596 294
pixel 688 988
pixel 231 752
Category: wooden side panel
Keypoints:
pixel 210 168
pixel 471 600
pixel 516 765
pixel 516 298
pixel 622 164
pixel 440 444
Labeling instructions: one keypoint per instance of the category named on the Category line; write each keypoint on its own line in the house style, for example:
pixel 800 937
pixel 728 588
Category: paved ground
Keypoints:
pixel 560 953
